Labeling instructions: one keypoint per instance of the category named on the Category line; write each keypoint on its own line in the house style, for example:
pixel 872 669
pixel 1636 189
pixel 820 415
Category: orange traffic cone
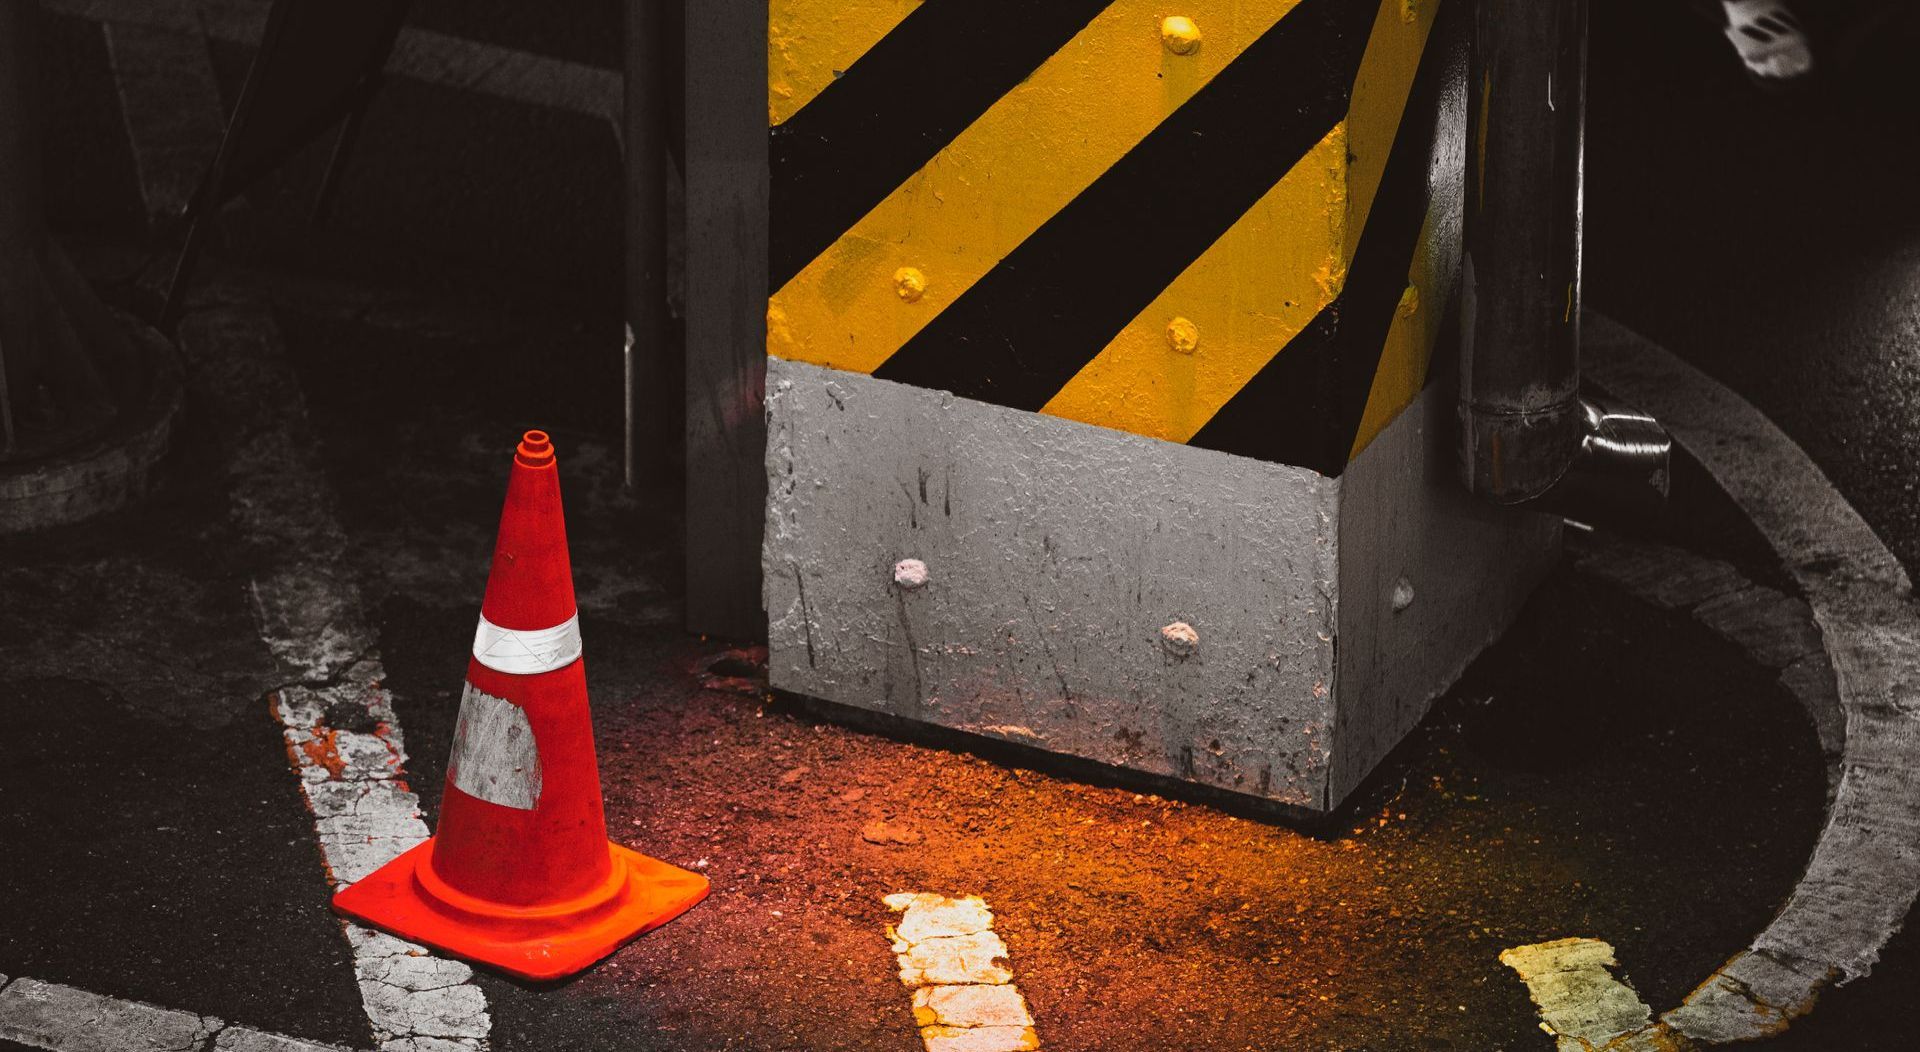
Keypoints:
pixel 520 874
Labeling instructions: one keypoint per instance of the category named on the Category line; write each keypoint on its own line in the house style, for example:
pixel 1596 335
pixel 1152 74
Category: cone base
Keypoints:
pixel 550 941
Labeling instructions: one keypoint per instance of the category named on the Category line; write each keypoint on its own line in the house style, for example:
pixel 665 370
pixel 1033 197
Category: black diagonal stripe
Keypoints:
pixel 1304 407
pixel 899 104
pixel 1022 331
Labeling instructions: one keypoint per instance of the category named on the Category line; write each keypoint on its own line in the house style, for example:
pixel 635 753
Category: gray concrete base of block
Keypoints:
pixel 104 473
pixel 1249 626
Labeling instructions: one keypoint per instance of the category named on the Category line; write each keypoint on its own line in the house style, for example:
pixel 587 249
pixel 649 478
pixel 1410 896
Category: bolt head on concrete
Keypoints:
pixel 1180 35
pixel 1179 639
pixel 910 574
pixel 1183 336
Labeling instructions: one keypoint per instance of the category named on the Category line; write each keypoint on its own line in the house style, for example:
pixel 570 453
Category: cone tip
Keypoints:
pixel 535 450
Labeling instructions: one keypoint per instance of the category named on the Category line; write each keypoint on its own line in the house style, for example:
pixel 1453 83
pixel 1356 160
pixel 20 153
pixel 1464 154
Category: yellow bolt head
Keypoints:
pixel 1183 336
pixel 1179 34
pixel 1409 301
pixel 909 284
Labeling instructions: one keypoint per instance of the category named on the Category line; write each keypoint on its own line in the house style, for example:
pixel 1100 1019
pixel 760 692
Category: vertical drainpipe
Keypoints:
pixel 1527 434
pixel 1520 371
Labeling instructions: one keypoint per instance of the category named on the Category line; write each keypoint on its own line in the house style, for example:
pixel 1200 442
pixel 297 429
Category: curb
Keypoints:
pixel 107 473
pixel 1864 872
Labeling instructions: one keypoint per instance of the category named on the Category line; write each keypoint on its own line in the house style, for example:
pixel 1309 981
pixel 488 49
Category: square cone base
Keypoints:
pixel 549 941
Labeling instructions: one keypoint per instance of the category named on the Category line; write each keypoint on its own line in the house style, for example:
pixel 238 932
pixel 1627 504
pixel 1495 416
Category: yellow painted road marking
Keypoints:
pixel 1267 277
pixel 810 42
pixel 1023 160
pixel 1581 1004
pixel 964 999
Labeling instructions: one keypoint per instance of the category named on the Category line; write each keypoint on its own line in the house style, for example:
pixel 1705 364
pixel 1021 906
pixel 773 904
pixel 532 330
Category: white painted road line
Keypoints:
pixel 964 999
pixel 337 719
pixel 1581 1004
pixel 64 1019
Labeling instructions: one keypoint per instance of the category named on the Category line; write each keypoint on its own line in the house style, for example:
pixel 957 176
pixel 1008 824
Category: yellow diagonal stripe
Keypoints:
pixel 1267 277
pixel 810 42
pixel 1402 371
pixel 1033 151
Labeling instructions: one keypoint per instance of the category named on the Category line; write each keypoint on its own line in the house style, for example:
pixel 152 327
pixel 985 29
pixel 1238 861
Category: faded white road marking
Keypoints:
pixel 964 998
pixel 1580 1001
pixel 337 718
pixel 64 1019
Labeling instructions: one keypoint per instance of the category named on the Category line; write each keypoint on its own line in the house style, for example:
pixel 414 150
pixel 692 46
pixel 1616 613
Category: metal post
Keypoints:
pixel 727 274
pixel 1520 411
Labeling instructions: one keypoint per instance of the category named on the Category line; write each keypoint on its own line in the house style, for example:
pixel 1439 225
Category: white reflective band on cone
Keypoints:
pixel 525 653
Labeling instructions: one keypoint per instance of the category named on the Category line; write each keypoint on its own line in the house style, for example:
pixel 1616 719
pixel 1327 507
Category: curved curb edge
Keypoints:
pixel 108 473
pixel 1864 872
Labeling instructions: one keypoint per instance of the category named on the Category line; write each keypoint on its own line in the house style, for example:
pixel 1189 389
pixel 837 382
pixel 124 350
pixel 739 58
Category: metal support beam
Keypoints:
pixel 726 166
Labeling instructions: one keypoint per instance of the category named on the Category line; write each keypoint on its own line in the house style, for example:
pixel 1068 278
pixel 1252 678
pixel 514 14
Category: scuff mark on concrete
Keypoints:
pixel 919 700
pixel 800 583
pixel 1046 644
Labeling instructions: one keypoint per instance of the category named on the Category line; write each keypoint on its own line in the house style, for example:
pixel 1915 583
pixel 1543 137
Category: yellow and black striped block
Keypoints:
pixel 1212 223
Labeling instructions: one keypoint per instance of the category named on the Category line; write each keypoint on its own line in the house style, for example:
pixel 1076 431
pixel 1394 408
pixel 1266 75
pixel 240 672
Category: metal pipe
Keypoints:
pixel 1620 470
pixel 1527 434
pixel 1520 409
